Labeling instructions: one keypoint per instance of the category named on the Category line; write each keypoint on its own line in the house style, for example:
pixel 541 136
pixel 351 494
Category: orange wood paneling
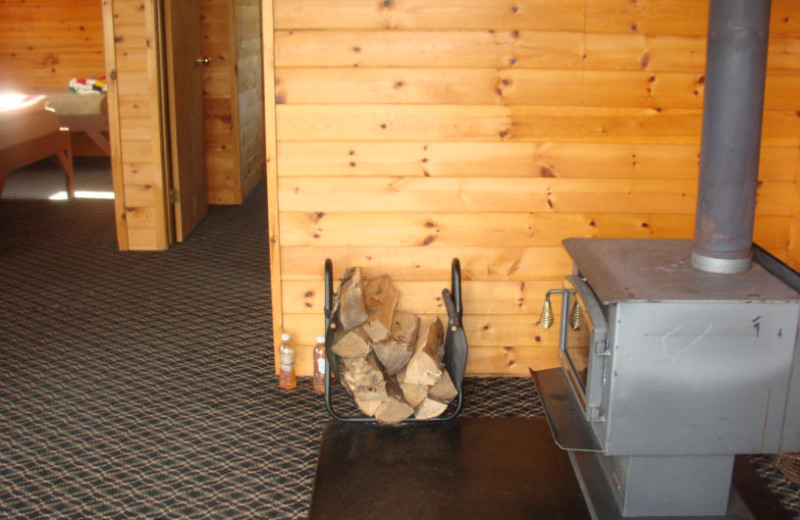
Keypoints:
pixel 409 133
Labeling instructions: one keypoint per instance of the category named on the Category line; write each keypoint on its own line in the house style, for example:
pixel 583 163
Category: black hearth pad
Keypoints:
pixel 468 468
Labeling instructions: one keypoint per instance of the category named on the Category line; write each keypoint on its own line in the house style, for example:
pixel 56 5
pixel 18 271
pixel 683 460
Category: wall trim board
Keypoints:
pixel 270 132
pixel 117 173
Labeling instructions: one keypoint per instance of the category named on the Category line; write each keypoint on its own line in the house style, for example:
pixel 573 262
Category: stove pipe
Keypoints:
pixel 736 60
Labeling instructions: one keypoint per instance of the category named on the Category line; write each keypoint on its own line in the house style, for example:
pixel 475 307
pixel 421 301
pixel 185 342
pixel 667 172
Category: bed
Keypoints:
pixel 30 132
pixel 83 114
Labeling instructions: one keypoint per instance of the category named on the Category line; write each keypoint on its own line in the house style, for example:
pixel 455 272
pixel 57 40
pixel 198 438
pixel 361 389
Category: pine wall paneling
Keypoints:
pixel 45 43
pixel 136 123
pixel 220 102
pixel 234 124
pixel 409 132
pixel 252 155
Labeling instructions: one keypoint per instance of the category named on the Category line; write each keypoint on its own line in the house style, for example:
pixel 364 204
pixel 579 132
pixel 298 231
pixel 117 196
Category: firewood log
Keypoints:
pixel 352 311
pixel 392 354
pixel 413 393
pixel 367 406
pixel 405 327
pixel 395 352
pixel 363 378
pixel 394 408
pixel 352 343
pixel 381 300
pixel 444 390
pixel 429 408
pixel 425 366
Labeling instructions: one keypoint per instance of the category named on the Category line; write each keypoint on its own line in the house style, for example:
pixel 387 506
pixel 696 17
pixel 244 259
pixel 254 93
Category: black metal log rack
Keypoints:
pixel 455 355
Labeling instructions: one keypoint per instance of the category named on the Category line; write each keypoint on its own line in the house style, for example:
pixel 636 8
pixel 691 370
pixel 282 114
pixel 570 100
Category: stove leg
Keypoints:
pixel 666 487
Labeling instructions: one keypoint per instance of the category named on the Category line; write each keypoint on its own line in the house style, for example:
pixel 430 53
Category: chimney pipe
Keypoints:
pixel 733 105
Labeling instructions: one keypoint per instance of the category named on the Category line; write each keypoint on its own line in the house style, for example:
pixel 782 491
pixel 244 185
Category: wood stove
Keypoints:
pixel 668 372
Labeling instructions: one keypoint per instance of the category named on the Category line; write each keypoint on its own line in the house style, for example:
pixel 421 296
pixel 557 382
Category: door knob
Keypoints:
pixel 203 60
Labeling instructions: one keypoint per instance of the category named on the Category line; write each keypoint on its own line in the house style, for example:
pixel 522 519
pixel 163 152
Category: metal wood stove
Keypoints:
pixel 668 372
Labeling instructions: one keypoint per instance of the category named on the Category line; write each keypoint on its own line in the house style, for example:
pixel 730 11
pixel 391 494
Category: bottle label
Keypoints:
pixel 321 365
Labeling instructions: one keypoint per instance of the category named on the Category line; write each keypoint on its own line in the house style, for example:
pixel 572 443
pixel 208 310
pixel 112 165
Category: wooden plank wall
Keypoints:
pixel 252 156
pixel 232 97
pixel 220 102
pixel 410 132
pixel 135 123
pixel 45 43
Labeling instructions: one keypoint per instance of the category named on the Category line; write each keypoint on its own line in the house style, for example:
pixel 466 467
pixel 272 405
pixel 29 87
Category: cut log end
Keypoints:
pixel 381 299
pixel 392 354
pixel 393 411
pixel 367 406
pixel 444 390
pixel 363 378
pixel 352 311
pixel 351 343
pixel 425 366
pixel 429 408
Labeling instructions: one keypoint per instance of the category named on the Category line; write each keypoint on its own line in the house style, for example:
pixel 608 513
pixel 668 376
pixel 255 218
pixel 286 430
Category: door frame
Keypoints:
pixel 144 214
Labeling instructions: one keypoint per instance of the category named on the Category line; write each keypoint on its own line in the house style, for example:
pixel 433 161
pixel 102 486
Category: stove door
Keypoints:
pixel 583 346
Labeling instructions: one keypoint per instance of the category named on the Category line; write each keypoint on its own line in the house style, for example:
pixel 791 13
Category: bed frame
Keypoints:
pixel 55 145
pixel 93 126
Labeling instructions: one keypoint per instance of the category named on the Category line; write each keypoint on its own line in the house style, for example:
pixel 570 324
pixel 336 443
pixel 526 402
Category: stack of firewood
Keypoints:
pixel 389 360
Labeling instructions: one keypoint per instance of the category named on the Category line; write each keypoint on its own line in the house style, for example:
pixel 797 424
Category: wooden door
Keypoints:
pixel 182 44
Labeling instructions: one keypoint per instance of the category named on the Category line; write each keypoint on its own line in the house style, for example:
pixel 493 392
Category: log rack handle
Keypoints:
pixel 455 286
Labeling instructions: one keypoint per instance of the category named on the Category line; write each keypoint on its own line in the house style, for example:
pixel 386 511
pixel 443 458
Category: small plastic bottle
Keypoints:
pixel 286 379
pixel 319 365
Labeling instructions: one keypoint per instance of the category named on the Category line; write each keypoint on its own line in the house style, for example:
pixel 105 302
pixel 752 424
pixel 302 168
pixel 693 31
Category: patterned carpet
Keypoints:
pixel 140 385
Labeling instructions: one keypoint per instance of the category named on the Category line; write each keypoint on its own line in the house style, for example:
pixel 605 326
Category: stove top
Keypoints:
pixel 661 270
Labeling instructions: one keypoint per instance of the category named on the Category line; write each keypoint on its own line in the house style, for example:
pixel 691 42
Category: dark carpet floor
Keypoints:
pixel 141 385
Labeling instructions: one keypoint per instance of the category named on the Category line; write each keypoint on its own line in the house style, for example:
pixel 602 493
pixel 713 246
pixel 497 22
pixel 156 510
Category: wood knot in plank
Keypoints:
pixel 546 171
